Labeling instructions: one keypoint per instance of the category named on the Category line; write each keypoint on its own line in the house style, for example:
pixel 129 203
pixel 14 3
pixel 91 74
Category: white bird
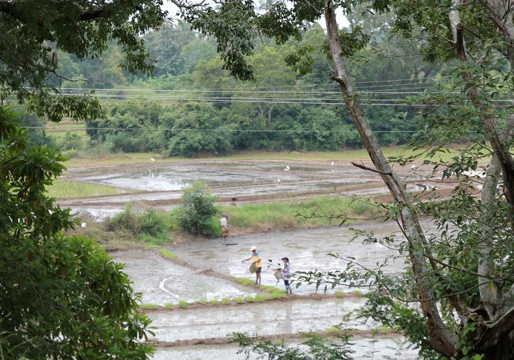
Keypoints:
pixel 332 163
pixel 286 168
pixel 152 159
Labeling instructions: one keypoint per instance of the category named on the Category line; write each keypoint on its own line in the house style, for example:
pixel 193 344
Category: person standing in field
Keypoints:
pixel 224 226
pixel 286 273
pixel 256 264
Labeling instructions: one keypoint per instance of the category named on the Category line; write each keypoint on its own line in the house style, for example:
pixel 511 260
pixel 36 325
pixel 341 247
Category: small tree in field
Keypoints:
pixel 198 210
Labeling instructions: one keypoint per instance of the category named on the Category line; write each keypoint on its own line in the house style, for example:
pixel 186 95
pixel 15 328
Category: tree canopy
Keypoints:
pixel 32 32
pixel 61 297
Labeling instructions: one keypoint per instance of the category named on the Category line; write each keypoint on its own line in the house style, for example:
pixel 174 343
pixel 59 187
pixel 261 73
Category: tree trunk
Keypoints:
pixel 441 338
pixel 501 15
pixel 490 297
pixel 495 332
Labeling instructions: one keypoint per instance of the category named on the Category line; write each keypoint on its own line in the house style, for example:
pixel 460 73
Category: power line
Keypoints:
pixel 140 129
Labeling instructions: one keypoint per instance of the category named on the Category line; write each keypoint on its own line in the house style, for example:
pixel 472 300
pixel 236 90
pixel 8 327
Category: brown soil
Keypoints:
pixel 312 178
pixel 289 298
pixel 276 337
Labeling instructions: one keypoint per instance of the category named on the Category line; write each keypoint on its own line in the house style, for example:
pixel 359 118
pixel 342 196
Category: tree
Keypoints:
pixel 166 46
pixel 464 288
pixel 81 28
pixel 61 297
pixel 198 210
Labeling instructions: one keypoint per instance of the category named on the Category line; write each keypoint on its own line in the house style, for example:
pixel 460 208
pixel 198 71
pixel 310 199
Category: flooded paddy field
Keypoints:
pixel 159 183
pixel 207 272
pixel 363 348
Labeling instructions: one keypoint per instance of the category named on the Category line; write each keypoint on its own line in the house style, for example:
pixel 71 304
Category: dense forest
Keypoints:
pixel 191 105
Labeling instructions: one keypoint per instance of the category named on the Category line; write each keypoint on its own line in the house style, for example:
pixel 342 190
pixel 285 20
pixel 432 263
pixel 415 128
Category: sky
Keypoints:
pixel 172 9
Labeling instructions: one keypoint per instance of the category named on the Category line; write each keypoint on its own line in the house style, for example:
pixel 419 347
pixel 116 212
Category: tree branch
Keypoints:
pixel 364 167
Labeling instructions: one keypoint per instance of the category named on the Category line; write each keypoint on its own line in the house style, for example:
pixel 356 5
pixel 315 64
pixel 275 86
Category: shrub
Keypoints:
pixel 198 210
pixel 142 224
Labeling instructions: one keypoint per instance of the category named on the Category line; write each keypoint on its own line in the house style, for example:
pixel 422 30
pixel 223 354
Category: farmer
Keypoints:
pixel 286 273
pixel 256 262
pixel 224 225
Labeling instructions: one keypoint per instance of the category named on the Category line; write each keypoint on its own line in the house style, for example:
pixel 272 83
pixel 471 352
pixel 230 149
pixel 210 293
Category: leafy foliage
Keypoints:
pixel 198 210
pixel 29 29
pixel 140 224
pixel 61 297
pixel 315 347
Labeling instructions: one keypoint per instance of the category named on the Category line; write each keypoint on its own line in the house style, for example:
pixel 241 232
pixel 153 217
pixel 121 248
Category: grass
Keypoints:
pixel 66 189
pixel 345 155
pixel 118 159
pixel 150 246
pixel 271 289
pixel 245 281
pixel 314 212
pixel 168 254
pixel 182 304
pixel 149 306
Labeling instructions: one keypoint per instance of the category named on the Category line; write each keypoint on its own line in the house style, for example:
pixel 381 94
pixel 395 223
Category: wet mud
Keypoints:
pixel 159 183
pixel 206 274
pixel 207 271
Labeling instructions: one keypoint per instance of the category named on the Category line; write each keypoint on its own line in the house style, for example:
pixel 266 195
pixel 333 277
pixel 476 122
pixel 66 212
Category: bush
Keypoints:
pixel 141 224
pixel 198 210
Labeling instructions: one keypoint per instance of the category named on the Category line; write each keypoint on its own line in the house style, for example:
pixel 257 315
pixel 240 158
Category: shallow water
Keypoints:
pixel 364 348
pixel 289 317
pixel 307 250
pixel 162 282
pixel 161 183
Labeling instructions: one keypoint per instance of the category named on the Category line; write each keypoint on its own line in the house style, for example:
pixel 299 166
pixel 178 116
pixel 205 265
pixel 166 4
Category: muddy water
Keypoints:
pixel 289 317
pixel 307 250
pixel 363 348
pixel 216 174
pixel 162 281
pixel 160 183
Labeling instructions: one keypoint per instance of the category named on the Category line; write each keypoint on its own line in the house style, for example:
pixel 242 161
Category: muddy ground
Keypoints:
pixel 208 269
pixel 158 183
pixel 205 277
